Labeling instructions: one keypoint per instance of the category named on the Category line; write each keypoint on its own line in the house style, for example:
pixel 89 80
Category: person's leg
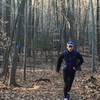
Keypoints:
pixel 66 83
pixel 68 80
pixel 71 79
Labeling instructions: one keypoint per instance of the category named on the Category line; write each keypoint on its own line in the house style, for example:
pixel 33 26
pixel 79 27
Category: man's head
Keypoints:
pixel 70 46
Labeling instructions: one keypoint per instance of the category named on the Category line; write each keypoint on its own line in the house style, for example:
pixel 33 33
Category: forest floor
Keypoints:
pixel 50 85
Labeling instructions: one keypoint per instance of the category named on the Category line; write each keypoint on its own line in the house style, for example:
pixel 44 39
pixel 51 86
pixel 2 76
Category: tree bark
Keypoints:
pixel 25 36
pixel 98 29
pixel 8 50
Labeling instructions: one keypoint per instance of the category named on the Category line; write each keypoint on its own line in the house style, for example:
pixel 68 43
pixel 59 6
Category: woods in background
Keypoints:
pixel 32 31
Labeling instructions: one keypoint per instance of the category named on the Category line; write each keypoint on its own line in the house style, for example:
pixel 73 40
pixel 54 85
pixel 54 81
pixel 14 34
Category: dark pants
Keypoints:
pixel 68 76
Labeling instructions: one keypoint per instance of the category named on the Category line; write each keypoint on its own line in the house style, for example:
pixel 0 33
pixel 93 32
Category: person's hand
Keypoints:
pixel 74 68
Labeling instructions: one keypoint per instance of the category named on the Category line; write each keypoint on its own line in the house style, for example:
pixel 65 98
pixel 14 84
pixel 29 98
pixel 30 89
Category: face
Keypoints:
pixel 70 48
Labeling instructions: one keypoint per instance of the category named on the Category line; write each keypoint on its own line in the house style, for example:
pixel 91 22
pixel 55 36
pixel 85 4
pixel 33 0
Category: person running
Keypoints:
pixel 72 63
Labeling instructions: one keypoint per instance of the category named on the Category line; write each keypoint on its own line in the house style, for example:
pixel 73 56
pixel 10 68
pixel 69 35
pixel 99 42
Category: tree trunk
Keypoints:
pixel 25 37
pixel 3 16
pixel 29 28
pixel 8 50
pixel 98 29
pixel 92 26
pixel 70 15
pixel 12 80
pixel 14 66
pixel 63 25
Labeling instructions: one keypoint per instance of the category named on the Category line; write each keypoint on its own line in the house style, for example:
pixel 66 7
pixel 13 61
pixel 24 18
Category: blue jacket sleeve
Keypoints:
pixel 79 61
pixel 60 60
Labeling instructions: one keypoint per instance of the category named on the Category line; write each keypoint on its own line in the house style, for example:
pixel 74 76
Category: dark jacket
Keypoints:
pixel 73 60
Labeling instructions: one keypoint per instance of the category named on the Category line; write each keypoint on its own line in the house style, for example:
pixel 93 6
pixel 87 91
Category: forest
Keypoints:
pixel 33 33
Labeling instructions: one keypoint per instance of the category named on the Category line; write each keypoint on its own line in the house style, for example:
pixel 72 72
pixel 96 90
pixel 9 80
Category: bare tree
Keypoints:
pixel 12 80
pixel 98 29
pixel 26 17
pixel 93 36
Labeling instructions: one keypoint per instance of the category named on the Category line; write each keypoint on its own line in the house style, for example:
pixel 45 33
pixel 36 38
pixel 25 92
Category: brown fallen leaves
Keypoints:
pixel 50 87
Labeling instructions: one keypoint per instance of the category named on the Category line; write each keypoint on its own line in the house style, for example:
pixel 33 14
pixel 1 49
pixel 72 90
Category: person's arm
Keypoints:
pixel 79 61
pixel 60 59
